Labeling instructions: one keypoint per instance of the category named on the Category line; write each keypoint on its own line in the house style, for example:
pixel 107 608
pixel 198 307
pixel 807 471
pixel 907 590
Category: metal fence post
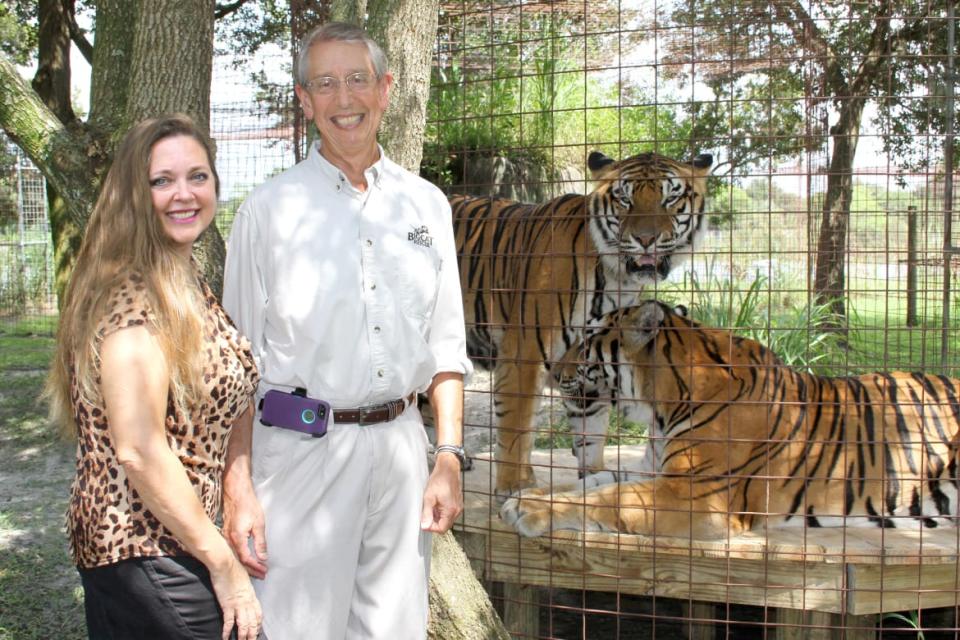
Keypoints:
pixel 949 250
pixel 912 266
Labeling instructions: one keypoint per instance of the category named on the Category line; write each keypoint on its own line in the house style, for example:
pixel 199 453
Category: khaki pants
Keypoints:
pixel 347 558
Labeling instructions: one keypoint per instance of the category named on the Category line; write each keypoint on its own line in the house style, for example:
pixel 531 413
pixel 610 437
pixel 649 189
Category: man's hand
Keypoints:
pixel 243 518
pixel 242 515
pixel 443 498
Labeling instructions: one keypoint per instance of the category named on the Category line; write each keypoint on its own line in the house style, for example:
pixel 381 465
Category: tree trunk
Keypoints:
pixel 829 278
pixel 52 84
pixel 407 30
pixel 110 85
pixel 351 11
pixel 177 82
pixel 852 95
pixel 52 80
pixel 459 607
pixel 180 80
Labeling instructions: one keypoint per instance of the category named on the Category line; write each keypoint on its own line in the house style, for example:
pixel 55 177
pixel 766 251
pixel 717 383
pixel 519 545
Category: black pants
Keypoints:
pixel 168 598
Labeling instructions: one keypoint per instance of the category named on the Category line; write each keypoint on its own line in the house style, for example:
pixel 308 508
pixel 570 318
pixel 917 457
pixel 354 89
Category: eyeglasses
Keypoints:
pixel 328 85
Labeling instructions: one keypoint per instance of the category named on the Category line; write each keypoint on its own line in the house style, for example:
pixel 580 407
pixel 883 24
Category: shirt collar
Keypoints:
pixel 335 177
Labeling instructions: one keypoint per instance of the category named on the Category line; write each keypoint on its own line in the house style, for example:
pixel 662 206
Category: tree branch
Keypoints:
pixel 223 10
pixel 66 156
pixel 77 36
pixel 875 57
pixel 804 28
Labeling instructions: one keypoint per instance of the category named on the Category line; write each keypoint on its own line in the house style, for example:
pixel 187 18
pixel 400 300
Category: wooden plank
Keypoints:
pixel 552 564
pixel 795 624
pixel 521 610
pixel 880 589
pixel 848 571
pixel 701 620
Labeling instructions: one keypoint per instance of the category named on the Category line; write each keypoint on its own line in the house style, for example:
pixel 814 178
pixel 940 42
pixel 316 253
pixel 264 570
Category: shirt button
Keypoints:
pixel 380 373
pixel 369 242
pixel 376 329
pixel 373 286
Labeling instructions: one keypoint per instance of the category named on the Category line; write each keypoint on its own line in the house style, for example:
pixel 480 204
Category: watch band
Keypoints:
pixel 451 448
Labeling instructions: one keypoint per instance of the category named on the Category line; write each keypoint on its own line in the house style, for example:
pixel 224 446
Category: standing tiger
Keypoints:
pixel 534 275
pixel 749 442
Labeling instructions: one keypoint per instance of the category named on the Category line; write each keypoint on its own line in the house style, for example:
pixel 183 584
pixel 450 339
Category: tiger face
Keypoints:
pixel 748 442
pixel 591 370
pixel 646 213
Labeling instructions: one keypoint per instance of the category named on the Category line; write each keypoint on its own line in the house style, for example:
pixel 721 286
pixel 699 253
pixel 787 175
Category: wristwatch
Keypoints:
pixel 454 449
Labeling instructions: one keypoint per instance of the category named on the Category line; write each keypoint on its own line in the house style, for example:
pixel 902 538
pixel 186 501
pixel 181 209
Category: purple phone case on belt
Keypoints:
pixel 295 412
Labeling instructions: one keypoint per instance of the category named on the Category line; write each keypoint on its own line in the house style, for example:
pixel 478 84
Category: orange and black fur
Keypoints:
pixel 534 275
pixel 747 442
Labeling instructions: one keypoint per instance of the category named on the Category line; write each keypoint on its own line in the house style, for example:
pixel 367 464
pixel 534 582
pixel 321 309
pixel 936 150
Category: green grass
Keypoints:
pixel 37 325
pixel 39 588
pixel 24 353
pixel 881 340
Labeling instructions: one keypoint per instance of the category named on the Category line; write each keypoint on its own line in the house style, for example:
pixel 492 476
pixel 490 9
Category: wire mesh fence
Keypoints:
pixel 830 243
pixel 26 256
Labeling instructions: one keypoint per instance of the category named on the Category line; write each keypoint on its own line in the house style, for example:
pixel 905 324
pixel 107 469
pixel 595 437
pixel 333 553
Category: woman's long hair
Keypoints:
pixel 125 237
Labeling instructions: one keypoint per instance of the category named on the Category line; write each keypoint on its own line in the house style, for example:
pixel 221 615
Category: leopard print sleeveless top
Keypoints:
pixel 106 519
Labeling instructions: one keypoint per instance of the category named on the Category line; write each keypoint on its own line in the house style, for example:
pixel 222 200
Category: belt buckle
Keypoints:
pixel 364 412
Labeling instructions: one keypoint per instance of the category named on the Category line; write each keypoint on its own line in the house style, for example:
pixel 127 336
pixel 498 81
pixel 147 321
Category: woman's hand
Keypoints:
pixel 238 601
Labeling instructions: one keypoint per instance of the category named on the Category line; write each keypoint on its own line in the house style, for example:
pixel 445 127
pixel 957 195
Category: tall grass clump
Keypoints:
pixel 800 335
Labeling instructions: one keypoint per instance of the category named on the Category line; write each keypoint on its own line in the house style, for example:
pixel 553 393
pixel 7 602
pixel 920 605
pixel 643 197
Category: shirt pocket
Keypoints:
pixel 419 278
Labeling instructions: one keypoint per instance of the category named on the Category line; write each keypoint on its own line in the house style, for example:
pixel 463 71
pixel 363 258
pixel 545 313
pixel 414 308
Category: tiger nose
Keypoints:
pixel 646 240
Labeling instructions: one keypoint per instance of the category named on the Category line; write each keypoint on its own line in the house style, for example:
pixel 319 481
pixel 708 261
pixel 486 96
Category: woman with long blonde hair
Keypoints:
pixel 150 375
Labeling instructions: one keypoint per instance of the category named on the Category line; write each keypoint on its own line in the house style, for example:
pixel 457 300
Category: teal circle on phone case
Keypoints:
pixel 308 416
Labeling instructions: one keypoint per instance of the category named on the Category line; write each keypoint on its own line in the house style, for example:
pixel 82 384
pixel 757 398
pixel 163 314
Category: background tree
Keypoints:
pixel 789 58
pixel 145 62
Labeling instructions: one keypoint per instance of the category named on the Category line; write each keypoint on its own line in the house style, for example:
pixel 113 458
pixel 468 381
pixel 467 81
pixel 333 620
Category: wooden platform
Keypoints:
pixel 823 578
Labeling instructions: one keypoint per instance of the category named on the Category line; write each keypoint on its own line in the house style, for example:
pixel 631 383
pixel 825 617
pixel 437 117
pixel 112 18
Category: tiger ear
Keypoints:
pixel 598 163
pixel 643 326
pixel 703 161
pixel 681 310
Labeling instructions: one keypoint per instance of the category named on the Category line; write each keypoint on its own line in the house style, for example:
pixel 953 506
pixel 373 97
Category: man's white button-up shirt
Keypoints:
pixel 353 295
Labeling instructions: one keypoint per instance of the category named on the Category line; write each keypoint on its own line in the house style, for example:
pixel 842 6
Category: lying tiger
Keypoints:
pixel 749 442
pixel 534 275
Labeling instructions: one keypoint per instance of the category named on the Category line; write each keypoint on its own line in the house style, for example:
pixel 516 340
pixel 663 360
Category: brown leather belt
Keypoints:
pixel 374 413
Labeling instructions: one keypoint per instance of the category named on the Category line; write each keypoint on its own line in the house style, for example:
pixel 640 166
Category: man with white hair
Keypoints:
pixel 342 271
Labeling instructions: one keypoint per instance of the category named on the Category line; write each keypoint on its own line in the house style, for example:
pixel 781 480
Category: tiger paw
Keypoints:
pixel 528 512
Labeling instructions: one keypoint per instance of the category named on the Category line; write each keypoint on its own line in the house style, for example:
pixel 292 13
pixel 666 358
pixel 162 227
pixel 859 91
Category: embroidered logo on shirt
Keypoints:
pixel 421 236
